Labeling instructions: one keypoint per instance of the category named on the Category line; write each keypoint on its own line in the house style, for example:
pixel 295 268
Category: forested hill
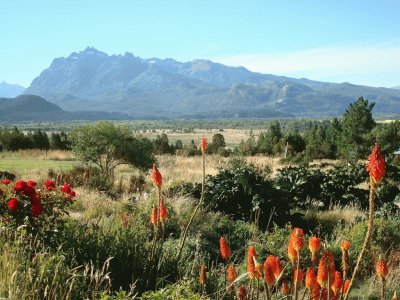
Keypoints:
pixel 154 88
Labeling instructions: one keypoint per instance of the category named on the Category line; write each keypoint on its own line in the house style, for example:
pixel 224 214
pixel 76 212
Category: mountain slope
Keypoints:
pixel 10 90
pixel 92 80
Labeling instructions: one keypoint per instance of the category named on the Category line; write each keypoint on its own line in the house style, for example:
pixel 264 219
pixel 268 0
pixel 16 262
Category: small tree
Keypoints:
pixel 108 146
pixel 218 143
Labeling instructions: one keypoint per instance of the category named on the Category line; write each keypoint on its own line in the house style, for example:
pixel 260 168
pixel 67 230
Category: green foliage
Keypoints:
pixel 218 144
pixel 161 145
pixel 108 146
pixel 59 141
pixel 243 193
pixel 181 290
pixel 356 125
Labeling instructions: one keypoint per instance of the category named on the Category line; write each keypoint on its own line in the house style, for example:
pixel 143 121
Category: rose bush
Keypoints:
pixel 40 207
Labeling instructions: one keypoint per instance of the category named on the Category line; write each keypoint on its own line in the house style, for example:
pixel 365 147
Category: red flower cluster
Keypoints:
pixel 376 165
pixel 23 196
pixel 224 248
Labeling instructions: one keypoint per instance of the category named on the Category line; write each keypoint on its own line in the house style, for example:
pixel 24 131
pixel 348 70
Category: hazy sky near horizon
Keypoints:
pixel 339 40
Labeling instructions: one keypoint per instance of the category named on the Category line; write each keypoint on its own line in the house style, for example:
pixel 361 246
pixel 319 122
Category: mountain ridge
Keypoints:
pixel 166 88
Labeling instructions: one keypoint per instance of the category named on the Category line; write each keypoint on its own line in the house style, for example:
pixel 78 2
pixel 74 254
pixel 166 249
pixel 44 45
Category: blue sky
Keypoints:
pixel 338 40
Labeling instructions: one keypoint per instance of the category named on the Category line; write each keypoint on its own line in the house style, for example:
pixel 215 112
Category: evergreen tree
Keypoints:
pixel 356 125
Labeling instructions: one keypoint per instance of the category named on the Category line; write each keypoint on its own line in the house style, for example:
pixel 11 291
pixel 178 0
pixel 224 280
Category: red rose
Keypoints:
pixel 35 199
pixel 36 209
pixel 49 184
pixel 20 185
pixel 31 183
pixel 66 189
pixel 29 191
pixel 6 181
pixel 13 204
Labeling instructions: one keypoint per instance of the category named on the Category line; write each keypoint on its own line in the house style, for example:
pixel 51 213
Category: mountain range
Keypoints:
pixel 35 108
pixel 10 90
pixel 91 80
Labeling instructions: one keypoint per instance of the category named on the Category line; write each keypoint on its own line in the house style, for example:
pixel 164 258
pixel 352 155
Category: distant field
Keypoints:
pixel 232 136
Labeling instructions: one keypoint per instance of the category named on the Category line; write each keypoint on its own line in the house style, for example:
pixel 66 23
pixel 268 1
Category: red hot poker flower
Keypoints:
pixel 337 283
pixel 314 244
pixel 269 277
pixel 381 268
pixel 311 278
pixel 203 274
pixel 275 264
pixel 322 275
pixel 345 245
pixel 376 165
pixel 231 273
pixel 154 216
pixel 224 248
pixel 203 144
pixel 297 238
pixel 297 277
pixel 163 211
pixel 346 286
pixel 156 177
pixel 285 288
pixel 251 267
pixel 242 292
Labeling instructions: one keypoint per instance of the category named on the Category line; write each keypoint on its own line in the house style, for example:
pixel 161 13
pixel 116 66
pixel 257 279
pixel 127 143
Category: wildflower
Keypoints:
pixel 203 144
pixel 36 209
pixel 6 182
pixel 203 275
pixel 31 183
pixel 345 245
pixel 297 238
pixel 231 273
pixel 242 292
pixel 314 244
pixel 337 283
pixel 292 254
pixel 376 165
pixel 275 264
pixel 314 292
pixel 224 248
pixel 154 216
pixel 285 288
pixel 20 186
pixel 49 184
pixel 156 177
pixel 322 275
pixel 346 286
pixel 13 204
pixel 66 188
pixel 297 277
pixel 251 263
pixel 269 277
pixel 163 211
pixel 311 278
pixel 381 268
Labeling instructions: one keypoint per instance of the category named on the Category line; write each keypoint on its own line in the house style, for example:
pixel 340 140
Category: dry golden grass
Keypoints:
pixel 38 154
pixel 232 136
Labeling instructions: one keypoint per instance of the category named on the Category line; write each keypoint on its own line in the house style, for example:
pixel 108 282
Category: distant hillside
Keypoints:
pixel 34 108
pixel 10 90
pixel 92 80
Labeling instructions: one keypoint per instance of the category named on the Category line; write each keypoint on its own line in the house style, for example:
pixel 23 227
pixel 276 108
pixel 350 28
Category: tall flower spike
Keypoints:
pixel 298 277
pixel 322 275
pixel 154 216
pixel 346 286
pixel 275 264
pixel 381 268
pixel 203 275
pixel 156 177
pixel 242 292
pixel 314 292
pixel 269 277
pixel 337 283
pixel 203 144
pixel 345 245
pixel 231 273
pixel 285 288
pixel 376 165
pixel 311 279
pixel 251 265
pixel 314 244
pixel 163 211
pixel 224 248
pixel 292 254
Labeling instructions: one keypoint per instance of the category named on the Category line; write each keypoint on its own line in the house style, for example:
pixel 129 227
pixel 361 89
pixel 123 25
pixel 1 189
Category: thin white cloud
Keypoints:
pixel 377 65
